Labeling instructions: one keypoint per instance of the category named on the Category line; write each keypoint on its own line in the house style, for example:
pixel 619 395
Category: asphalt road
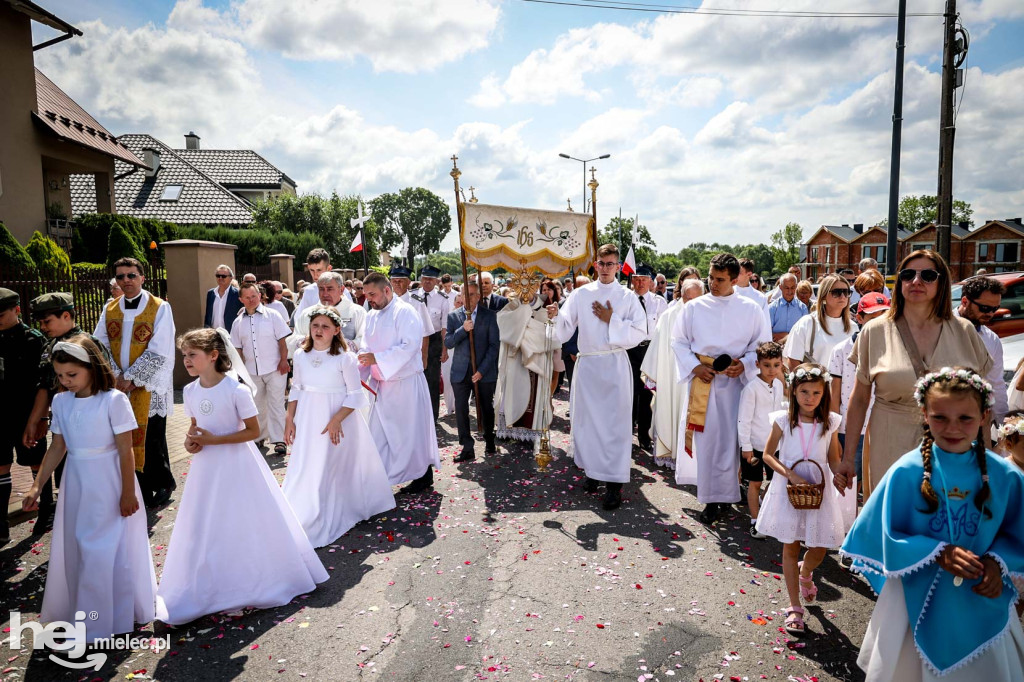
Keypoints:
pixel 503 573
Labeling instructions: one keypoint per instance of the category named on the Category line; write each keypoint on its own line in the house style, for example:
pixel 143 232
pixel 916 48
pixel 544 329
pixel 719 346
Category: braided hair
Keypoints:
pixel 957 380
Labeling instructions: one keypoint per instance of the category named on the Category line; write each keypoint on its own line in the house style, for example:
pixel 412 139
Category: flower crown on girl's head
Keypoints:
pixel 1012 426
pixel 326 311
pixel 971 378
pixel 816 372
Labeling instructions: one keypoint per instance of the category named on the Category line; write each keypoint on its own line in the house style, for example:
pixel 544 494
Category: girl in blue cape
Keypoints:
pixel 939 540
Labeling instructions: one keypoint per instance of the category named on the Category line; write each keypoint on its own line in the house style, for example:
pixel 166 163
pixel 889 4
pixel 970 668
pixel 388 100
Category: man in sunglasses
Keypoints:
pixel 980 300
pixel 138 329
pixel 222 304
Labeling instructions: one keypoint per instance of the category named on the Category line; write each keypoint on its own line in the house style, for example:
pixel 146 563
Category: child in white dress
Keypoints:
pixel 335 475
pixel 236 542
pixel 99 555
pixel 807 432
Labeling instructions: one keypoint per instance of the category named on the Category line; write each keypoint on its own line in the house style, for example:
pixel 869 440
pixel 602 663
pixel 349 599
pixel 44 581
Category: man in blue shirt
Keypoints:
pixel 785 310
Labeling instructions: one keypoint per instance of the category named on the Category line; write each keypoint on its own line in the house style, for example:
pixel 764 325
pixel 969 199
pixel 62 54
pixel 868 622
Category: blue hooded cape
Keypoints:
pixel 896 537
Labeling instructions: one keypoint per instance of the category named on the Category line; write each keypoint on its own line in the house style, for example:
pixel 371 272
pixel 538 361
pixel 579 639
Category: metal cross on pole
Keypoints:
pixel 360 223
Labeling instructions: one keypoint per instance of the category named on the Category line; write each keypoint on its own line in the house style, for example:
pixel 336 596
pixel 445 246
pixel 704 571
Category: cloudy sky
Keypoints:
pixel 719 127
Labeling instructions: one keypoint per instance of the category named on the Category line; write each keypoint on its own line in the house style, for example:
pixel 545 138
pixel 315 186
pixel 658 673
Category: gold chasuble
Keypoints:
pixel 141 333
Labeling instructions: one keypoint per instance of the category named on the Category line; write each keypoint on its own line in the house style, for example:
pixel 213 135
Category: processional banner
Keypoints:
pixel 509 237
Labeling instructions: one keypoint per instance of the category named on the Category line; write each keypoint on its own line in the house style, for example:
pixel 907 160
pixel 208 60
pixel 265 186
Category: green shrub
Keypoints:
pixel 12 253
pixel 48 257
pixel 92 232
pixel 90 270
pixel 121 245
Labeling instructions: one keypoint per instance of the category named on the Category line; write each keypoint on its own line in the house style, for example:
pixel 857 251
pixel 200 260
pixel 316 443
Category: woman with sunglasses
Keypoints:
pixel 920 334
pixel 814 336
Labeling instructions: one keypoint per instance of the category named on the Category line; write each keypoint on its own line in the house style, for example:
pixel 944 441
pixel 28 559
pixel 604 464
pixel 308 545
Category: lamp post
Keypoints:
pixel 585 162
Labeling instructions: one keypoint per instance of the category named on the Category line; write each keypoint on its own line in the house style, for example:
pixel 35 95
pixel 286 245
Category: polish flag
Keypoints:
pixel 357 243
pixel 629 265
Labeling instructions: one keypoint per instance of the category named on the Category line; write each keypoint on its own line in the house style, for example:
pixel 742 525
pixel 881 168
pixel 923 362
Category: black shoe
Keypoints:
pixel 590 485
pixel 465 456
pixel 709 515
pixel 612 497
pixel 645 444
pixel 160 498
pixel 44 521
pixel 5 532
pixel 490 448
pixel 422 483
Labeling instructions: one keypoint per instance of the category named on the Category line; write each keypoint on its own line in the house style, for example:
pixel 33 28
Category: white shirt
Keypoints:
pixel 438 307
pixel 758 400
pixel 279 307
pixel 256 336
pixel 421 310
pixel 394 335
pixel 840 367
pixel 310 296
pixel 995 375
pixel 220 301
pixel 654 305
pixel 756 296
pixel 799 340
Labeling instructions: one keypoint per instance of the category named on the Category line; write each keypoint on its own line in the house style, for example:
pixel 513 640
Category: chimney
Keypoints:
pixel 1013 220
pixel 965 225
pixel 846 224
pixel 191 141
pixel 152 159
pixel 858 228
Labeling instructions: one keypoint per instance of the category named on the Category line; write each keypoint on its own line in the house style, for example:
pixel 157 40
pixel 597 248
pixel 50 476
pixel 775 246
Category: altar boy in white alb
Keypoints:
pixel 610 320
pixel 391 362
pixel 724 327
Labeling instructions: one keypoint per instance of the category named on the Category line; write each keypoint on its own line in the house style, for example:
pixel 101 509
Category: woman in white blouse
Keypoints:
pixel 815 335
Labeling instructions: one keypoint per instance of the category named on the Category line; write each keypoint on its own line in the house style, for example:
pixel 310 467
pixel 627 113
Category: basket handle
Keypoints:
pixel 811 461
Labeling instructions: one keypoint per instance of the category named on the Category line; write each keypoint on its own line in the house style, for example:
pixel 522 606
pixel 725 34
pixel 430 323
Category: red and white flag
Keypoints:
pixel 629 265
pixel 357 243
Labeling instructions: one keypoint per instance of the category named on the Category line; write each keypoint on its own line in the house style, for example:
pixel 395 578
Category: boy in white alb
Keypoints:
pixel 758 400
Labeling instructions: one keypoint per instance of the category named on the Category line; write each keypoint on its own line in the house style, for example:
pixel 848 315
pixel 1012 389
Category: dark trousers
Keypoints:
pixel 463 395
pixel 156 472
pixel 433 371
pixel 570 365
pixel 641 395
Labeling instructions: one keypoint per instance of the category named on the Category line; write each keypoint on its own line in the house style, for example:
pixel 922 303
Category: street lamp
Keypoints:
pixel 585 162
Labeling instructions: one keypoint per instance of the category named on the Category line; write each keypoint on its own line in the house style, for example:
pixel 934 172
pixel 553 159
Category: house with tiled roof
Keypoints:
pixel 47 136
pixel 190 186
pixel 837 247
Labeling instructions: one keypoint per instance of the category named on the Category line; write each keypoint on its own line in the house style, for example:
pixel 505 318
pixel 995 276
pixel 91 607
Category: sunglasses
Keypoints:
pixel 840 293
pixel 927 275
pixel 223 276
pixel 986 309
pixel 126 275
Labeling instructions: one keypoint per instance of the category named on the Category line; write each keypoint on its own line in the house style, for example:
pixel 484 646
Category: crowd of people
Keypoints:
pixel 853 417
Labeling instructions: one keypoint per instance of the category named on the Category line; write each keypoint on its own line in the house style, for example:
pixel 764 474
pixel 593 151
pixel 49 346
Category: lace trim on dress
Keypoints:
pixel 150 371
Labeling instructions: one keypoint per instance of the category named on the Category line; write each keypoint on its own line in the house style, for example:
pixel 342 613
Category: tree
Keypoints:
pixel 762 255
pixel 121 245
pixel 786 246
pixel 619 231
pixel 48 256
pixel 416 213
pixel 917 210
pixel 12 253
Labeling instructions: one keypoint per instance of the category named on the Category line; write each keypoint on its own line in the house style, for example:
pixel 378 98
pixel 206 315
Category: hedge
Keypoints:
pixel 48 256
pixel 121 245
pixel 12 253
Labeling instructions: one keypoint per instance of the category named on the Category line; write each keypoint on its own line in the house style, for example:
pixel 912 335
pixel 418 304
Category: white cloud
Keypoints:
pixel 733 127
pixel 407 36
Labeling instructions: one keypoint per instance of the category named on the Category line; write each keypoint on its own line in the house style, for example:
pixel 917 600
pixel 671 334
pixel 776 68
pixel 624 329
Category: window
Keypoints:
pixel 998 252
pixel 922 247
pixel 876 252
pixel 814 254
pixel 171 193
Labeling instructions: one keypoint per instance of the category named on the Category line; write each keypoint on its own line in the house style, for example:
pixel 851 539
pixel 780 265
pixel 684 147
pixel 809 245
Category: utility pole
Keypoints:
pixel 953 53
pixel 891 239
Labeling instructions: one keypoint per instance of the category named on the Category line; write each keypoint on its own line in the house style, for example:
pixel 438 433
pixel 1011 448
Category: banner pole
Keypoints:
pixel 593 207
pixel 460 213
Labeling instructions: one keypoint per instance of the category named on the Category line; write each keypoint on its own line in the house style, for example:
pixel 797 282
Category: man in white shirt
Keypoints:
pixel 744 289
pixel 777 291
pixel 610 320
pixel 715 340
pixel 318 261
pixel 400 282
pixel 222 303
pixel 353 317
pixel 653 306
pixel 871 264
pixel 392 363
pixel 260 335
pixel 438 305
pixel 980 299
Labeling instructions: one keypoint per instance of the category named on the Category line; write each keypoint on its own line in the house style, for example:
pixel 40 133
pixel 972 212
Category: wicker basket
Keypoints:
pixel 808 495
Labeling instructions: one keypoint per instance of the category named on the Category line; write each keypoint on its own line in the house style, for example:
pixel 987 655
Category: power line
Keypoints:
pixel 621 5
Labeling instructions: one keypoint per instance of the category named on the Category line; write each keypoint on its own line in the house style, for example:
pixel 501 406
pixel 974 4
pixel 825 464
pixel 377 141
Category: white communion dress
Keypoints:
pixel 332 487
pixel 822 527
pixel 236 542
pixel 99 560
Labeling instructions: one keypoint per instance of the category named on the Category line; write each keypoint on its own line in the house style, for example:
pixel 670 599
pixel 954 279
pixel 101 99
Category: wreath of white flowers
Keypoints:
pixel 815 372
pixel 972 379
pixel 326 311
pixel 1010 426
